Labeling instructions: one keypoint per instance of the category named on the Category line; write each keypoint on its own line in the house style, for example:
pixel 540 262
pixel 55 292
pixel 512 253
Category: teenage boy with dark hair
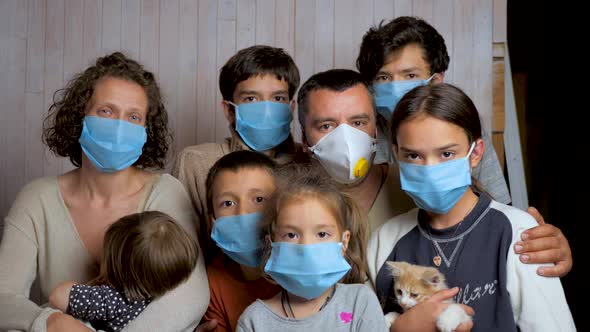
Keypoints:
pixel 405 53
pixel 257 85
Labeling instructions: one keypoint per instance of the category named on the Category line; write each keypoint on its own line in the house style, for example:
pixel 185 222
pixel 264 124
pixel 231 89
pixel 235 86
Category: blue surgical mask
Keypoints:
pixel 437 188
pixel 263 125
pixel 387 95
pixel 306 270
pixel 239 238
pixel 111 145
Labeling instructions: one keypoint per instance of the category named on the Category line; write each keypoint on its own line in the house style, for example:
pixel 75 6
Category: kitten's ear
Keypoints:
pixel 395 267
pixel 433 277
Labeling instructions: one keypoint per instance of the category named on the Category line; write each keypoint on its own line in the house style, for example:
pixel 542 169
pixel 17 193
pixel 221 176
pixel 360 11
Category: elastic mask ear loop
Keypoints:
pixel 234 105
pixel 469 154
pixel 470 150
pixel 430 78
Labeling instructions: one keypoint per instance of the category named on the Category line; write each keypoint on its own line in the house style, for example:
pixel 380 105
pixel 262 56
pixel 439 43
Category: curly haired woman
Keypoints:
pixel 111 123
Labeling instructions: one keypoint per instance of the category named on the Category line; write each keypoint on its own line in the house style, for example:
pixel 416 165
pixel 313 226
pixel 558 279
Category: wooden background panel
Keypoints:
pixel 44 43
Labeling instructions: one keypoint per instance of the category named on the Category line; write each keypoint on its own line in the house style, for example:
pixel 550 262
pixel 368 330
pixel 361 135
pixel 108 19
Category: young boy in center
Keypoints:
pixel 238 187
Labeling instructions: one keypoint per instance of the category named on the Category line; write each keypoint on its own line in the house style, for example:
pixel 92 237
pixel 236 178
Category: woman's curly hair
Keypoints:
pixel 63 125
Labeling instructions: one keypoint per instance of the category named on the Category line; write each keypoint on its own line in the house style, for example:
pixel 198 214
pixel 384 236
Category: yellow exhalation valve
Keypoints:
pixel 361 168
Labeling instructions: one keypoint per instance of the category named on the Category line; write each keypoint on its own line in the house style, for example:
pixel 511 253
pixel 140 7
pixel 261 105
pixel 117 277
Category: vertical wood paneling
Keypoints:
pixel 463 45
pixel 111 26
pixel 168 59
pixel 74 59
pixel 500 20
pixel 304 48
pixel 34 103
pixel 13 52
pixel 362 20
pixel 285 25
pixel 402 8
pixel 482 85
pixel 424 9
pixel 324 35
pixel 344 46
pixel 382 11
pixel 206 67
pixel 149 34
pixel 34 149
pixel 130 25
pixel 443 23
pixel 246 24
pixel 352 20
pixel 265 22
pixel 92 30
pixel 226 47
pixel 35 45
pixel 54 56
pixel 186 115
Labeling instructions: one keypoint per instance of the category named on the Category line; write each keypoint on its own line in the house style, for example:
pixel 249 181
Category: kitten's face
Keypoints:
pixel 414 284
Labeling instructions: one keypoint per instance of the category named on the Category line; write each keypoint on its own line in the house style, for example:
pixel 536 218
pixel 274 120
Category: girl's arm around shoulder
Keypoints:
pixel 538 303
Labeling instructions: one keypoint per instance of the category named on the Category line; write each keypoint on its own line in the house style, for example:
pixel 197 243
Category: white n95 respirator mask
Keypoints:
pixel 346 153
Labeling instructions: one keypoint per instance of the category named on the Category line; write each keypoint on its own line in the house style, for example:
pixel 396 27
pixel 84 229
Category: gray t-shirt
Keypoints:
pixel 353 308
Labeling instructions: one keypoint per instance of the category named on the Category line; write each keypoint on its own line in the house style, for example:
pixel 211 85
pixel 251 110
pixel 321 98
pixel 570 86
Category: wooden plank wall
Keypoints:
pixel 43 43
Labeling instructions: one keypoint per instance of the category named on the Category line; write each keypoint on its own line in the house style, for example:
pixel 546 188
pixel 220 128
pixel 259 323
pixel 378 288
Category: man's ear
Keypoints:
pixel 304 144
pixel 293 106
pixel 438 78
pixel 477 153
pixel 229 112
pixel 345 240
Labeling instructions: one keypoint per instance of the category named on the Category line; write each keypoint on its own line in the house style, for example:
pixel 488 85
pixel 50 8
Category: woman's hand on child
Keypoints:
pixel 545 244
pixel 58 322
pixel 423 316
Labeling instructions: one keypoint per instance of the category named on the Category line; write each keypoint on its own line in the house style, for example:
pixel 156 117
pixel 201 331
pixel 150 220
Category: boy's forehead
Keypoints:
pixel 262 83
pixel 409 56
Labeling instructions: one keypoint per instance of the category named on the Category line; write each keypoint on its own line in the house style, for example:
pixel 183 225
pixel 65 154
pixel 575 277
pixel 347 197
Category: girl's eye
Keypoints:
pixel 228 203
pixel 323 235
pixel 105 111
pixel 259 199
pixel 291 236
pixel 135 118
pixel 448 154
pixel 249 99
pixel 412 156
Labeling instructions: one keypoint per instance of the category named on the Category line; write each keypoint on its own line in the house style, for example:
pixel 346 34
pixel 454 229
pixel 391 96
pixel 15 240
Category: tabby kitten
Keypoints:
pixel 414 284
